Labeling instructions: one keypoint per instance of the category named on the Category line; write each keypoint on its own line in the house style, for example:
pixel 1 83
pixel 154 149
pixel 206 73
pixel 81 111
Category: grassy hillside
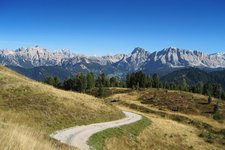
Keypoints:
pixel 181 120
pixel 173 101
pixel 26 106
pixel 162 134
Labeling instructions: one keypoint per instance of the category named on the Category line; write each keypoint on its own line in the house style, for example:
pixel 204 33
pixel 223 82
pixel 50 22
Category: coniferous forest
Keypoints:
pixel 136 80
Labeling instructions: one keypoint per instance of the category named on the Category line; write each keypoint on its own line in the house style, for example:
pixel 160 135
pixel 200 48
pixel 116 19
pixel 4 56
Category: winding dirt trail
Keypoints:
pixel 79 135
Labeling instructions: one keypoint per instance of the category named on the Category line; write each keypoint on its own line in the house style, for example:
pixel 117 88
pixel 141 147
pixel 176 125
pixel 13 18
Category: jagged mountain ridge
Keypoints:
pixel 161 62
pixel 36 56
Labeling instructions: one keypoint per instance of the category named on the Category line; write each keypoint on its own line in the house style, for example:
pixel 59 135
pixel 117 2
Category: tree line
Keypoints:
pixel 139 79
pixel 82 83
pixel 136 80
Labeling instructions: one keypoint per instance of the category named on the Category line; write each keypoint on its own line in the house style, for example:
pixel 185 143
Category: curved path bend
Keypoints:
pixel 79 135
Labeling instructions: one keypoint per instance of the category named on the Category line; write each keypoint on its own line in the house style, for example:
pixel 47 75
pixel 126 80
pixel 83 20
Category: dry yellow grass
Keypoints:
pixel 162 134
pixel 15 137
pixel 134 97
pixel 165 133
pixel 31 111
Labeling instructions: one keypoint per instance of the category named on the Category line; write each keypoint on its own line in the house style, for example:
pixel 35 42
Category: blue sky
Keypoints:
pixel 113 26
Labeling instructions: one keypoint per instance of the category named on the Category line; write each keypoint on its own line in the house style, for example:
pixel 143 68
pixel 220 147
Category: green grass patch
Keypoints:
pixel 131 131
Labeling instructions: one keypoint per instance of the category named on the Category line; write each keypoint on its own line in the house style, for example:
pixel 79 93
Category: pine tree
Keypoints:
pixel 101 91
pixel 199 88
pixel 106 82
pixel 101 80
pixel 140 79
pixel 128 81
pixel 49 80
pixel 54 81
pixel 149 82
pixel 155 81
pixel 83 83
pixel 68 84
pixel 183 86
pixel 217 90
pixel 208 89
pixel 77 82
pixel 90 80
pixel 113 82
pixel 209 99
pixel 137 86
pixel 80 82
pixel 173 86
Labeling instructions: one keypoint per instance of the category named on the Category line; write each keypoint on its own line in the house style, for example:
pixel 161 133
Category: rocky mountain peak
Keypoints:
pixel 113 58
pixel 64 52
pixel 138 50
pixel 35 49
pixel 220 54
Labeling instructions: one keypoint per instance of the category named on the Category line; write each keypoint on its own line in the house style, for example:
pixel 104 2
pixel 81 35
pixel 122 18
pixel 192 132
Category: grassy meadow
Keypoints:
pixel 179 120
pixel 30 111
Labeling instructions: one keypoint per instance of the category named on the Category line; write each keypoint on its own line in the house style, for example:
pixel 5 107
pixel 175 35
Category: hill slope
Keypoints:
pixel 180 120
pixel 45 109
pixel 219 77
pixel 194 75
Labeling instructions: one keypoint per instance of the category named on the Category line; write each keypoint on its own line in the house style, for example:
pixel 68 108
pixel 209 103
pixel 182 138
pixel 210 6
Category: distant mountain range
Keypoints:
pixel 38 62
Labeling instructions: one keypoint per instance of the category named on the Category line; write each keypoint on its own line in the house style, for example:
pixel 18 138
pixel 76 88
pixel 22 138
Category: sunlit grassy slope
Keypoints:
pixel 180 120
pixel 26 105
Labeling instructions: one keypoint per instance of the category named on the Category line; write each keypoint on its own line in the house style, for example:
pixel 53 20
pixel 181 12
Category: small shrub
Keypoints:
pixel 191 147
pixel 209 138
pixel 216 113
pixel 209 99
pixel 216 108
pixel 175 108
pixel 177 118
pixel 148 101
pixel 218 116
pixel 201 135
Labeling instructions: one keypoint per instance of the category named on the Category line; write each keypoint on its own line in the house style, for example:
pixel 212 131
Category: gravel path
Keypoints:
pixel 79 135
